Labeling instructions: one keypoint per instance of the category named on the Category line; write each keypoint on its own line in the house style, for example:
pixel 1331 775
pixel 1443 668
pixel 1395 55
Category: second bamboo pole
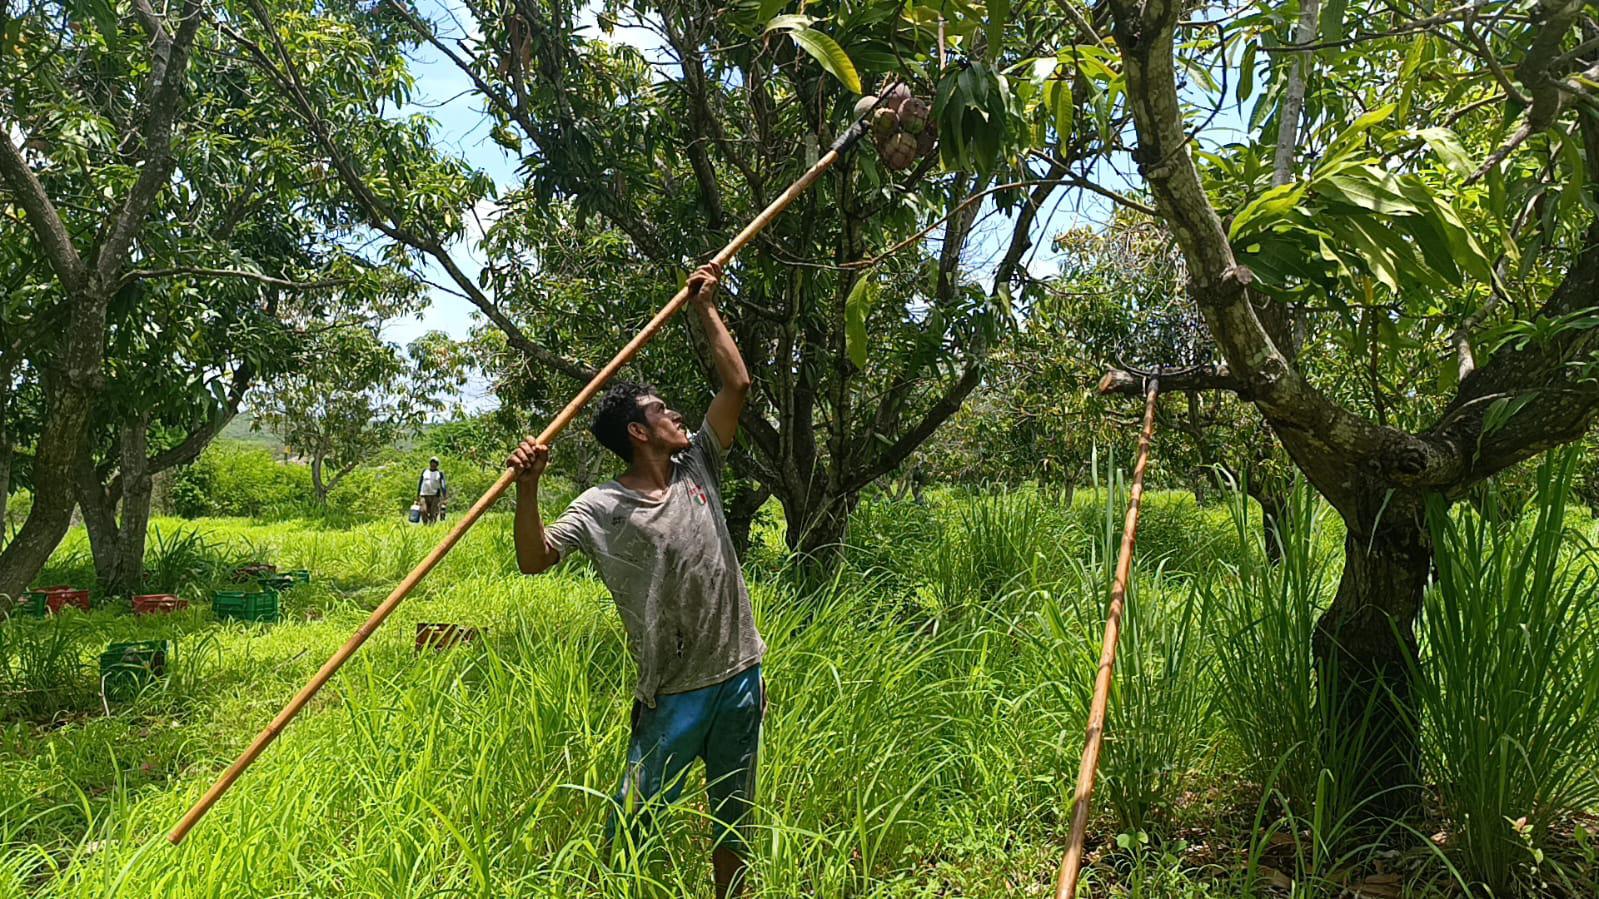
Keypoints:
pixel 1071 864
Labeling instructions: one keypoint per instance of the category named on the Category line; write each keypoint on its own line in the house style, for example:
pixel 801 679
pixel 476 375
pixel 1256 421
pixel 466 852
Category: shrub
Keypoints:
pixel 233 479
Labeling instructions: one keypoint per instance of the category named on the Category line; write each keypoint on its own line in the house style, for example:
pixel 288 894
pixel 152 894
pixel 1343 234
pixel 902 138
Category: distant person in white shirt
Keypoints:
pixel 431 491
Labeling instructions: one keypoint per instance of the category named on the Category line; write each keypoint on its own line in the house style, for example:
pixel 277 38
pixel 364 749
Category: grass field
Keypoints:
pixel 927 704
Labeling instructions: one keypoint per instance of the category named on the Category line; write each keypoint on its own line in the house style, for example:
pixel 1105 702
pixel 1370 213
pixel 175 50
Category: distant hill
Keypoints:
pixel 239 431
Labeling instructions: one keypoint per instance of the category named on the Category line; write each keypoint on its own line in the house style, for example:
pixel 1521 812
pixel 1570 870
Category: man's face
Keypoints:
pixel 662 428
pixel 433 466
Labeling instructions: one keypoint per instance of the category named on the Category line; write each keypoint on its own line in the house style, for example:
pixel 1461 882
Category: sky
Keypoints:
pixel 446 95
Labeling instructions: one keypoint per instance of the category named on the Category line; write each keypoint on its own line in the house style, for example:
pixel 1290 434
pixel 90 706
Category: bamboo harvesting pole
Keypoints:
pixel 845 141
pixel 1071 864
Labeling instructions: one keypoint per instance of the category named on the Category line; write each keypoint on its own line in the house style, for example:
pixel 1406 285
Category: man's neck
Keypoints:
pixel 649 473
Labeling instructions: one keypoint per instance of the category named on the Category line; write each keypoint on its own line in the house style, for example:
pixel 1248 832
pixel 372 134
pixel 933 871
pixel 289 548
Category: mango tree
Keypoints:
pixel 633 170
pixel 349 394
pixel 1423 213
pixel 160 212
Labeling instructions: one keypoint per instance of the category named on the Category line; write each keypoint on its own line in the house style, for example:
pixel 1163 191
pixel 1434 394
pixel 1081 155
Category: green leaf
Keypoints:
pixel 105 19
pixel 1371 118
pixel 1369 188
pixel 1407 73
pixel 767 10
pixel 1351 139
pixel 1331 29
pixel 1436 248
pixel 1267 208
pixel 1376 245
pixel 994 30
pixel 1500 411
pixel 1064 110
pixel 790 22
pixel 832 57
pixel 856 307
pixel 1246 72
pixel 1446 146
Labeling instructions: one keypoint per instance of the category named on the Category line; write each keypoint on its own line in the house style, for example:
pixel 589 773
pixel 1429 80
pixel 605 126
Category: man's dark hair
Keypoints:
pixel 619 408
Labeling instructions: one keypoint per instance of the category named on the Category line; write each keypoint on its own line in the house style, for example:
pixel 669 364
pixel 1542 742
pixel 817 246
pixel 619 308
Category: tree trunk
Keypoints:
pixel 6 455
pixel 99 512
pixel 316 480
pixel 118 545
pixel 741 507
pixel 818 525
pixel 6 451
pixel 1366 653
pixel 136 490
pixel 1273 500
pixel 68 396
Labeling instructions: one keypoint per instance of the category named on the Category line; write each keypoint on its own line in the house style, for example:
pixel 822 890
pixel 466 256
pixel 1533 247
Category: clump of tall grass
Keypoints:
pixel 992 545
pixel 1158 728
pixel 1510 677
pixel 41 670
pixel 182 561
pixel 1266 614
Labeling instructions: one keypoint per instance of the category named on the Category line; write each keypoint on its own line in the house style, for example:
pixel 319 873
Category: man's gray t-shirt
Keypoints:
pixel 671 567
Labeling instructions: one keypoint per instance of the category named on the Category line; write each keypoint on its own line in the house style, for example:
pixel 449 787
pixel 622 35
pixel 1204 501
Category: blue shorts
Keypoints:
pixel 720 724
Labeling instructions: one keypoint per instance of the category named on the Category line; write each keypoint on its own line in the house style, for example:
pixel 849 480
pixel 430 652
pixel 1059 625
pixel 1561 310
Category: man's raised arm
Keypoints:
pixel 723 413
pixel 533 551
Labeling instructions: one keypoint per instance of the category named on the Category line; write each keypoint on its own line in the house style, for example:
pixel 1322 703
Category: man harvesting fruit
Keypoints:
pixel 658 537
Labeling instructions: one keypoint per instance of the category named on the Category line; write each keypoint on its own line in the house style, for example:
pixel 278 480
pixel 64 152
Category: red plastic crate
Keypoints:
pixel 158 603
pixel 59 597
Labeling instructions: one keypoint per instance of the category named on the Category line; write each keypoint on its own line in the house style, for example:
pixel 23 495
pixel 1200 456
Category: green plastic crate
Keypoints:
pixel 246 605
pixel 33 603
pixel 284 580
pixel 127 668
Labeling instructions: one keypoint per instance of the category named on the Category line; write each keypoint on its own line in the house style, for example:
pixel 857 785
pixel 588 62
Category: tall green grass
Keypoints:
pixel 42 676
pixel 1158 729
pixel 1281 717
pixel 1510 668
pixel 906 755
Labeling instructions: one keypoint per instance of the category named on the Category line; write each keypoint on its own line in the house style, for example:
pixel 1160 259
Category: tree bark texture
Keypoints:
pixel 136 491
pixel 1365 648
pixel 69 394
pixel 316 480
pixel 116 511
